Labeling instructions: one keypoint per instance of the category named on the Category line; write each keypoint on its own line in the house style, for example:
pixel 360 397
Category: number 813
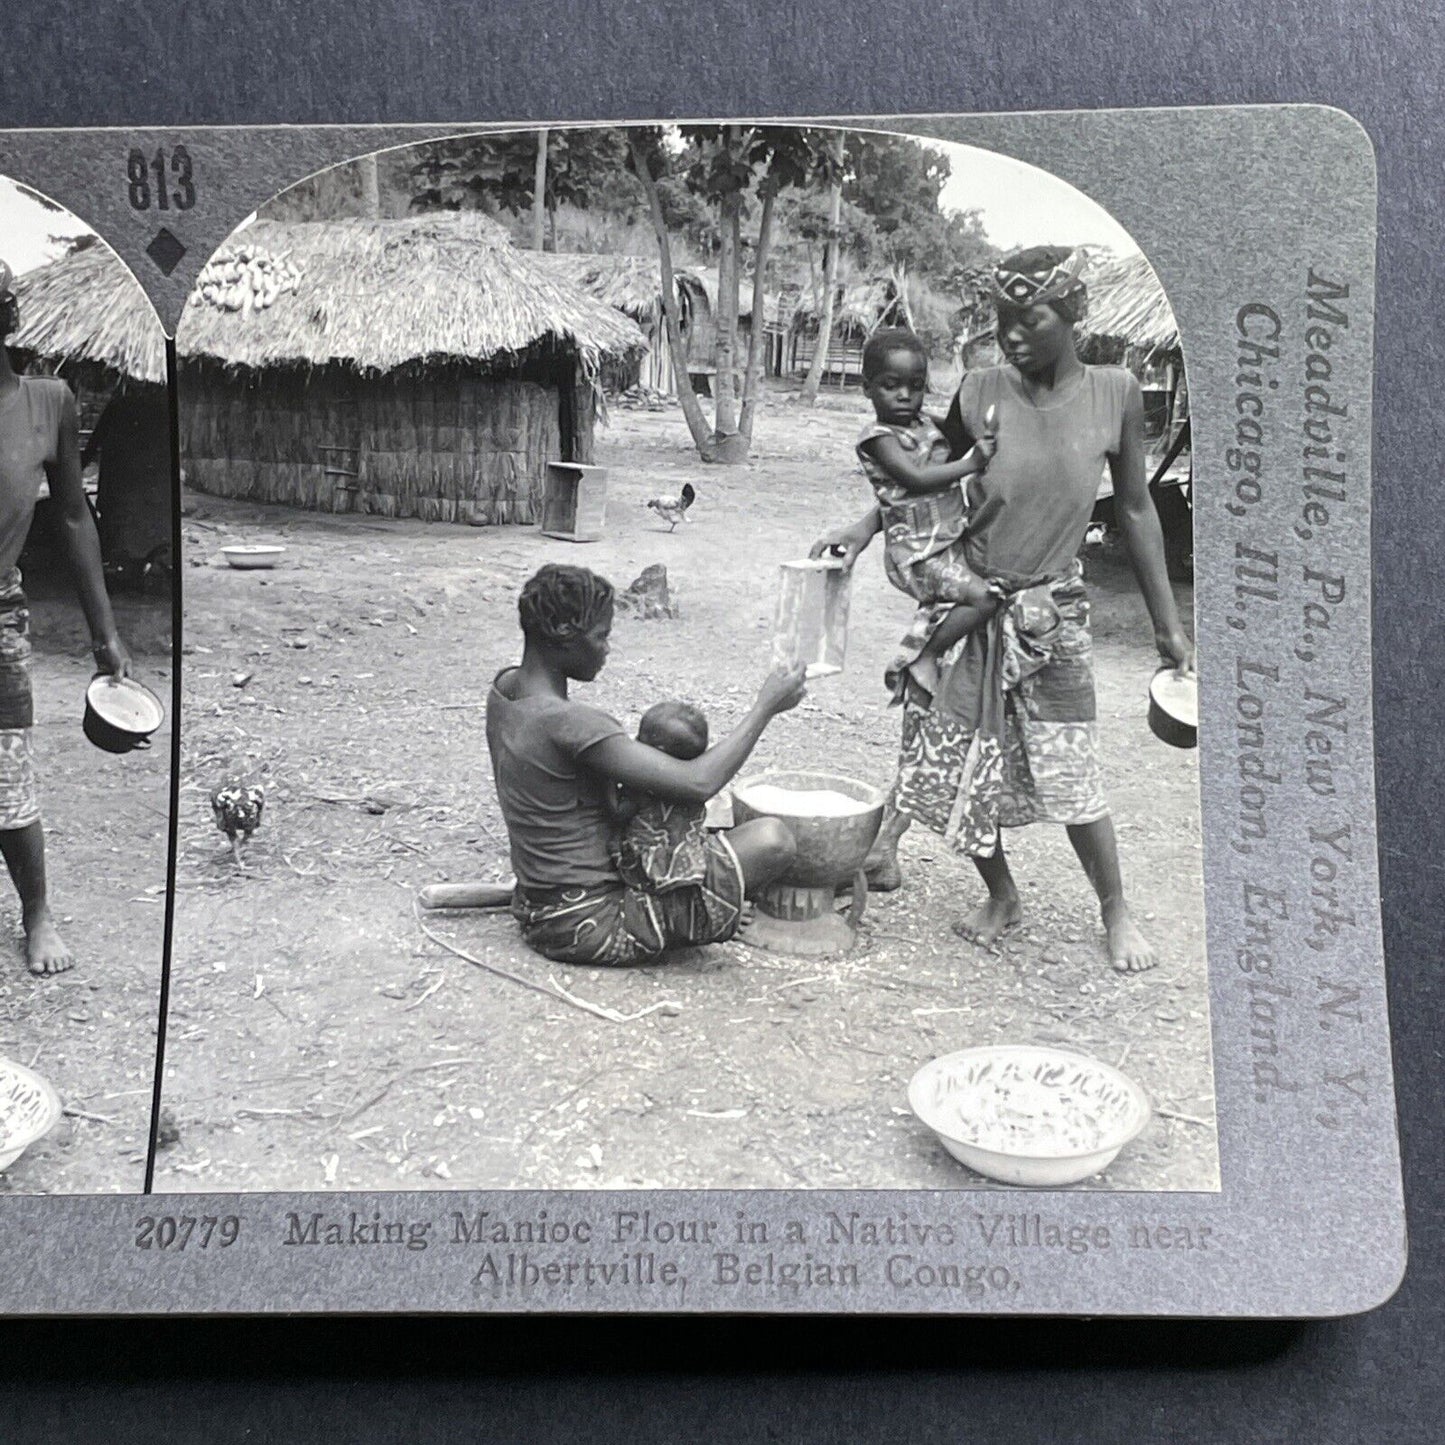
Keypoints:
pixel 149 183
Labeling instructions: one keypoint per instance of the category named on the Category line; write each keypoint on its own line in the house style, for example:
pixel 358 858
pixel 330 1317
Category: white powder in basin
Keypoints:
pixel 1020 1117
pixel 802 802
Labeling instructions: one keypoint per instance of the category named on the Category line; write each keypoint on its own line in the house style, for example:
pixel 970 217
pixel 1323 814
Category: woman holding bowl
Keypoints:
pixel 1006 734
pixel 39 443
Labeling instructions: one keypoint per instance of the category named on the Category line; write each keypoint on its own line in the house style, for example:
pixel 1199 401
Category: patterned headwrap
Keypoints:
pixel 1038 278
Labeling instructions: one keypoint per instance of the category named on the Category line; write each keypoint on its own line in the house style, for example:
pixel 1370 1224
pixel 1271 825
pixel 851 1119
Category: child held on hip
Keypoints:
pixel 921 495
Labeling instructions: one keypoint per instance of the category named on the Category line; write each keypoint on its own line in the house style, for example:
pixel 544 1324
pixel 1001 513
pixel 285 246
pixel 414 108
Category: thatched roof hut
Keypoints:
pixel 633 286
pixel 629 284
pixel 419 367
pixel 1128 307
pixel 860 306
pixel 88 310
pixel 381 295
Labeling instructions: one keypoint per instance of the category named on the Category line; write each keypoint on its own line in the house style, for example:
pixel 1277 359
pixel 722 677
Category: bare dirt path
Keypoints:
pixel 318 1038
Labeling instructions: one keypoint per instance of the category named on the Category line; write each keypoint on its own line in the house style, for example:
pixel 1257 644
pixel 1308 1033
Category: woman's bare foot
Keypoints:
pixel 45 950
pixel 1129 950
pixel 990 920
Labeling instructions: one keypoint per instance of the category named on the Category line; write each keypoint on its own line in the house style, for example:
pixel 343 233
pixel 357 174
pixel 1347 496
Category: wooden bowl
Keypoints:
pixel 831 847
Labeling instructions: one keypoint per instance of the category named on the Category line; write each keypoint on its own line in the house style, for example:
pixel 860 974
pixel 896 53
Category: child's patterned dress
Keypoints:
pixel 923 533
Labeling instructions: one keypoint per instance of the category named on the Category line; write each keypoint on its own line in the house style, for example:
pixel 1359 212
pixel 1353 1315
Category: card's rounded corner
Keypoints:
pixel 1353 124
pixel 1378 1288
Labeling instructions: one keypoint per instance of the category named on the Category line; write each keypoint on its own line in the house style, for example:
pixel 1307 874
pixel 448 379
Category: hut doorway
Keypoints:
pixel 341 456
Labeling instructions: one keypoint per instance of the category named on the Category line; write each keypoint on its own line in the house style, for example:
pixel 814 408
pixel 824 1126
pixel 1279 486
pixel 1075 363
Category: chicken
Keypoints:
pixel 673 510
pixel 237 807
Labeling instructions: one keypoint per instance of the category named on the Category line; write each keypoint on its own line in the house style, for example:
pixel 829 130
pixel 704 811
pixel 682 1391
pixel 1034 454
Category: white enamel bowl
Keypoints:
pixel 1027 1114
pixel 252 555
pixel 29 1109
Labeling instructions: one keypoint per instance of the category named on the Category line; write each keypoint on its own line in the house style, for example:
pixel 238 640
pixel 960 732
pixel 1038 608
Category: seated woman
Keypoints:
pixel 556 762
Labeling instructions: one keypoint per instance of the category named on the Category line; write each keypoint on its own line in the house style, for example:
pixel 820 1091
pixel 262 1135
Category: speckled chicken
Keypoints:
pixel 237 807
pixel 673 510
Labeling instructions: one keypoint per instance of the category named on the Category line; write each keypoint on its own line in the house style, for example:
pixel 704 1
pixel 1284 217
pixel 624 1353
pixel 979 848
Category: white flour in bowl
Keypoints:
pixel 802 802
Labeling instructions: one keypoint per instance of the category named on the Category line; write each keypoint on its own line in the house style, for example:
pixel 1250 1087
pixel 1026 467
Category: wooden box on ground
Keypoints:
pixel 574 504
pixel 812 616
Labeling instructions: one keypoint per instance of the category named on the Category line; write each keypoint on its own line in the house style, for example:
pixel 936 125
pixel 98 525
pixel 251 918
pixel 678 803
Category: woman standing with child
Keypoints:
pixel 559 764
pixel 989 743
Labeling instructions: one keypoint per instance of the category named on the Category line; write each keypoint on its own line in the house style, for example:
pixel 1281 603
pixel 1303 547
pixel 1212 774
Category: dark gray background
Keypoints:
pixel 70 62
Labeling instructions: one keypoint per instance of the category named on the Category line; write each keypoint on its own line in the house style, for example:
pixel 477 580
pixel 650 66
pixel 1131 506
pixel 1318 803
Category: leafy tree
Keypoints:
pixel 804 225
pixel 345 190
pixel 729 168
pixel 899 182
pixel 497 173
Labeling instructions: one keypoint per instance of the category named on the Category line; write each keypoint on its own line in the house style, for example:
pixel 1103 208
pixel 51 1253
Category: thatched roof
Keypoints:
pixel 1127 304
pixel 379 295
pixel 630 284
pixel 860 305
pixel 89 307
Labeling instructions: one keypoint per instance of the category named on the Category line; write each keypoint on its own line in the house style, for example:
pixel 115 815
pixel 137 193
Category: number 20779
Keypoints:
pixel 187 1231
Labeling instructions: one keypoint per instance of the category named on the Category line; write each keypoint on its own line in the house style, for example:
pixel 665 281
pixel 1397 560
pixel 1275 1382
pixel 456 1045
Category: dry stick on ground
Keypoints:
pixel 1184 1118
pixel 556 991
pixel 441 978
pixel 348 1116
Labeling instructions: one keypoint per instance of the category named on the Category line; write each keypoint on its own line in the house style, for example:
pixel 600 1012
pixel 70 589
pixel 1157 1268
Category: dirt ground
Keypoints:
pixel 319 1038
pixel 92 1031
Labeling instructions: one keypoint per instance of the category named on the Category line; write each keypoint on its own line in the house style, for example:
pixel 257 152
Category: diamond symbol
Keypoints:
pixel 165 250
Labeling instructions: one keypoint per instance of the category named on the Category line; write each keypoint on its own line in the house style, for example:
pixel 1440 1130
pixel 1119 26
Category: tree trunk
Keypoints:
pixel 370 188
pixel 900 283
pixel 725 382
pixel 539 191
pixel 757 336
pixel 696 422
pixel 830 279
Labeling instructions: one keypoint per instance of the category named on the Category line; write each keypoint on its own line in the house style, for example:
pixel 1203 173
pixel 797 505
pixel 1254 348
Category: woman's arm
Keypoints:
pixel 955 430
pixel 889 454
pixel 851 541
pixel 1144 537
pixel 82 545
pixel 624 760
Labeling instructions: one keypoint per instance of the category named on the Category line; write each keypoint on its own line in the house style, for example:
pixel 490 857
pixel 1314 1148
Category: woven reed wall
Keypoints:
pixel 444 445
